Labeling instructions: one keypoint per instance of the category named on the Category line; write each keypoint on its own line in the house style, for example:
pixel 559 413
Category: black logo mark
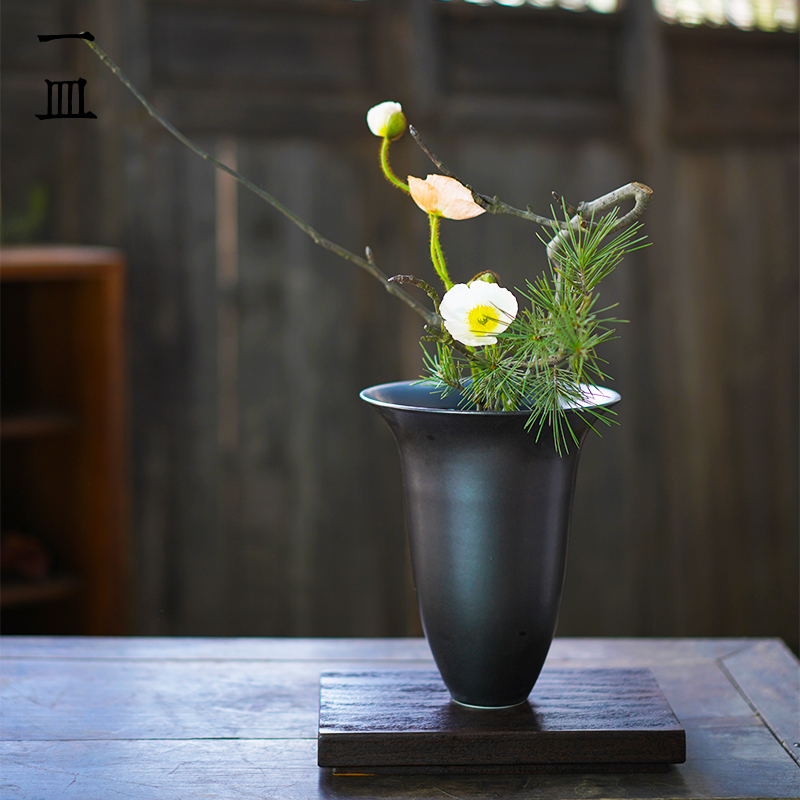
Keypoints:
pixel 63 88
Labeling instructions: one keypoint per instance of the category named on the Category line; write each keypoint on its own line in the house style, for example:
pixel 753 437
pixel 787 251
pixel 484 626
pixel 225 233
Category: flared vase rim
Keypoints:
pixel 596 397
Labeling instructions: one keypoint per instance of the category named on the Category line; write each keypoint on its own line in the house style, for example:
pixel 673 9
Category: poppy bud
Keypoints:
pixel 487 277
pixel 387 120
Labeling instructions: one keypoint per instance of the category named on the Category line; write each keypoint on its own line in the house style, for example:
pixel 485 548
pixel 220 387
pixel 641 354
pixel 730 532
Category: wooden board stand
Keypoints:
pixel 576 720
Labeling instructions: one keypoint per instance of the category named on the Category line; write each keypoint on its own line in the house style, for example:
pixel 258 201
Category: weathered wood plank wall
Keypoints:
pixel 267 497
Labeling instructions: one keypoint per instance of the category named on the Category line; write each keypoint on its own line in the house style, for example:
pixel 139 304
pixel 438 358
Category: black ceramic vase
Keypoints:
pixel 488 510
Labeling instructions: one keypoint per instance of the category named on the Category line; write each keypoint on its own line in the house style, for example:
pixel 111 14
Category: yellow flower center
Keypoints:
pixel 482 319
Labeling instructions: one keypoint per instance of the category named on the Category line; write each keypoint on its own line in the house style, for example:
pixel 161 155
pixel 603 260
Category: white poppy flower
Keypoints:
pixel 474 314
pixel 443 196
pixel 387 120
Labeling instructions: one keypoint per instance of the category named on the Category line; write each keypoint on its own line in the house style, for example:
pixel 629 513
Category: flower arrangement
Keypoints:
pixel 497 357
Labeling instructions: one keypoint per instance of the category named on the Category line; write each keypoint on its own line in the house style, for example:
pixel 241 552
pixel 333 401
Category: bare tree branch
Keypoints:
pixel 368 264
pixel 637 192
pixel 585 211
pixel 491 204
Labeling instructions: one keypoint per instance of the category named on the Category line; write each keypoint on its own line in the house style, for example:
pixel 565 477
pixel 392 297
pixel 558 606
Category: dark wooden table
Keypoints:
pixel 103 718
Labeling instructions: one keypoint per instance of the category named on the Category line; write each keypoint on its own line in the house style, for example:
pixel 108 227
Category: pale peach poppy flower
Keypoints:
pixel 444 197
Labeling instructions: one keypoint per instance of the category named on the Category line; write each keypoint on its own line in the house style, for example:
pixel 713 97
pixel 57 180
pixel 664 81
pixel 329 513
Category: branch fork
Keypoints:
pixel 584 212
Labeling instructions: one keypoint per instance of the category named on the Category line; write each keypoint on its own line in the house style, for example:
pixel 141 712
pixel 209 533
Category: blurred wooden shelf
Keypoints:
pixel 18 593
pixel 36 423
pixel 63 434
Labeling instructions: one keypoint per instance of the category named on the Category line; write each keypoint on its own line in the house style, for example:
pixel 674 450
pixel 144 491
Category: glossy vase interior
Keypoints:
pixel 488 510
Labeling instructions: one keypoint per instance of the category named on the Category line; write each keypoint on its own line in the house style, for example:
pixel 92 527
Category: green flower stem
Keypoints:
pixel 475 370
pixel 437 256
pixel 440 254
pixel 387 170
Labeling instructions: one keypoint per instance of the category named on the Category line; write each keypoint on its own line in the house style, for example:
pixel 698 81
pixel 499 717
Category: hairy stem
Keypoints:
pixel 387 169
pixel 437 255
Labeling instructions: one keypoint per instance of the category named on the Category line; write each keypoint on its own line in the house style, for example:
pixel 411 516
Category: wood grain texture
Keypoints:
pixel 734 85
pixel 283 51
pixel 93 718
pixel 575 717
pixel 285 769
pixel 725 517
pixel 686 515
pixel 587 652
pixel 519 51
pixel 777 698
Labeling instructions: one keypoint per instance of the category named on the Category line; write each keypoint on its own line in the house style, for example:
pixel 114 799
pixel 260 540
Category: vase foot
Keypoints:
pixel 488 708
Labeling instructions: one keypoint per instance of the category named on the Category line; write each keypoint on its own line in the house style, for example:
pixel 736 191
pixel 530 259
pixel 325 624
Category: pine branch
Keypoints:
pixel 586 213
